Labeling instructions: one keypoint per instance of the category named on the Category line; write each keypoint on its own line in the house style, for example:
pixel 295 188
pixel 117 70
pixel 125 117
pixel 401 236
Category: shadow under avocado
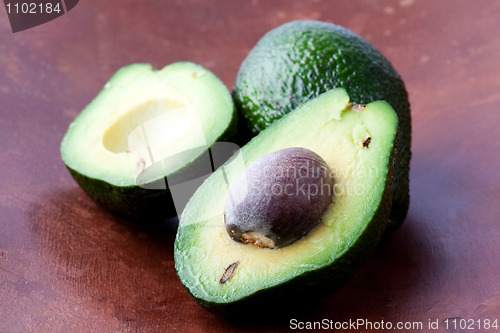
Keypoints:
pixel 389 278
pixel 121 266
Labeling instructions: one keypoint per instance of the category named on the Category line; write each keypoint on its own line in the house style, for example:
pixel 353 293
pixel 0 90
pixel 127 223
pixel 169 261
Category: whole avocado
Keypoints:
pixel 302 59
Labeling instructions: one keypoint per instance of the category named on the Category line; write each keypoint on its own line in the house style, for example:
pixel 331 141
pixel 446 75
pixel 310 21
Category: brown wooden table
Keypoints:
pixel 66 265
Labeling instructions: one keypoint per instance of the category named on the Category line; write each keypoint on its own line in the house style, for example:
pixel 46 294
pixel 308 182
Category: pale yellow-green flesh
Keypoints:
pixel 143 119
pixel 326 126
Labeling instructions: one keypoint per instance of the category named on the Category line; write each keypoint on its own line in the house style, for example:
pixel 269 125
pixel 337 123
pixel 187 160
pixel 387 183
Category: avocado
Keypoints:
pixel 356 143
pixel 302 59
pixel 145 126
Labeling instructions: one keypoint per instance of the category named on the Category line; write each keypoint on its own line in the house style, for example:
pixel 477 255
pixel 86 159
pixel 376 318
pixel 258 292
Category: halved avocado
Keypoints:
pixel 357 143
pixel 145 127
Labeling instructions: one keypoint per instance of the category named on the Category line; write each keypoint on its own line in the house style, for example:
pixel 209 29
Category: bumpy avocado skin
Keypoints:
pixel 131 202
pixel 302 59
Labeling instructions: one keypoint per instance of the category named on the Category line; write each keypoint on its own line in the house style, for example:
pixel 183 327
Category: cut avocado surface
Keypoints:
pixel 357 143
pixel 302 59
pixel 143 128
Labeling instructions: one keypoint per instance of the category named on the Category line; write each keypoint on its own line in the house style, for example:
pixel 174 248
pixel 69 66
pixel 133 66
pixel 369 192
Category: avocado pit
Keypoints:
pixel 279 198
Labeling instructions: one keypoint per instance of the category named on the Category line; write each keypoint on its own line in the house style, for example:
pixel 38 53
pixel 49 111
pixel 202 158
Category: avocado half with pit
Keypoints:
pixel 226 265
pixel 143 129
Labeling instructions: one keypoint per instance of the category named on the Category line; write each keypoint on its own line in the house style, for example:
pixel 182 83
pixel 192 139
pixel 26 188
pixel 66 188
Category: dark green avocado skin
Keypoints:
pixel 131 202
pixel 302 59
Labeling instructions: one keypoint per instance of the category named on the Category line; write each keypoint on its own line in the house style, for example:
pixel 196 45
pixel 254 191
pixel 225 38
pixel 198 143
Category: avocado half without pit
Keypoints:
pixel 145 128
pixel 238 245
pixel 279 198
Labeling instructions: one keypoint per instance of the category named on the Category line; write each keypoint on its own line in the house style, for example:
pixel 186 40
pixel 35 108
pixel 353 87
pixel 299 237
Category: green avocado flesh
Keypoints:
pixel 143 127
pixel 221 273
pixel 302 59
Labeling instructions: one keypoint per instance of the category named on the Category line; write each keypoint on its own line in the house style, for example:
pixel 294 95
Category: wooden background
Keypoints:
pixel 66 265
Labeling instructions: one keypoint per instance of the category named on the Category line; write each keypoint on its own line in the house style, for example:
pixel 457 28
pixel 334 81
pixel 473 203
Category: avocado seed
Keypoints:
pixel 279 198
